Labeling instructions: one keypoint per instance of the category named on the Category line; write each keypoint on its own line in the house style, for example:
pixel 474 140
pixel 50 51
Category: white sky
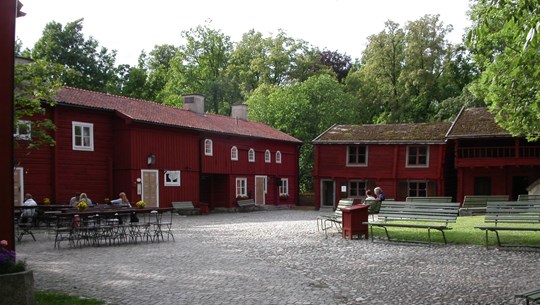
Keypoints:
pixel 130 26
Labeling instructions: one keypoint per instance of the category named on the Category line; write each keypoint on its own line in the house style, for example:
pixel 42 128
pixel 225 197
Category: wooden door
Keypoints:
pixel 260 189
pixel 150 187
pixel 18 186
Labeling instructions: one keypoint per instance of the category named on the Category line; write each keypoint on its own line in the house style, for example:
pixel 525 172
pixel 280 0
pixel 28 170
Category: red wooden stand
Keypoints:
pixel 352 221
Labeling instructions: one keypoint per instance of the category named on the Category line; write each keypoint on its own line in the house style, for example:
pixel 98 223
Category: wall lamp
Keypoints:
pixel 151 159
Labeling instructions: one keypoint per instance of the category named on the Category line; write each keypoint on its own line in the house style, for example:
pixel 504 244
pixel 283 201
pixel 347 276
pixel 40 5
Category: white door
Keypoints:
pixel 18 184
pixel 150 187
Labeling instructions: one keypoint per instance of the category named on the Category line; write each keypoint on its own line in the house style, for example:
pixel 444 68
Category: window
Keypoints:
pixel 417 156
pixel 83 136
pixel 284 187
pixel 357 155
pixel 172 178
pixel 23 130
pixel 241 187
pixel 234 153
pixel 208 148
pixel 278 157
pixel 267 156
pixel 357 188
pixel 251 155
pixel 418 189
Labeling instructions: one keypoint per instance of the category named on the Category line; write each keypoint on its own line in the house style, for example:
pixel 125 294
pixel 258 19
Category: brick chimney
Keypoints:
pixel 194 103
pixel 239 111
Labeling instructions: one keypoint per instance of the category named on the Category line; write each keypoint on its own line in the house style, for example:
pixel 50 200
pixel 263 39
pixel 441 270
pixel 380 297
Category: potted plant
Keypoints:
pixel 140 204
pixel 82 205
pixel 17 283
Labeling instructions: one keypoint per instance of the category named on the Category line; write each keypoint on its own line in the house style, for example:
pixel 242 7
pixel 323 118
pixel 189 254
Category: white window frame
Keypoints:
pixel 284 187
pixel 23 136
pixel 172 178
pixel 234 153
pixel 83 126
pixel 241 187
pixel 357 182
pixel 251 155
pixel 208 147
pixel 407 164
pixel 416 188
pixel 267 156
pixel 357 164
pixel 278 157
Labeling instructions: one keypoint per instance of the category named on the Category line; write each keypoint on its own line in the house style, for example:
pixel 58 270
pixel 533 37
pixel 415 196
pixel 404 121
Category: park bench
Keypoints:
pixel 476 204
pixel 429 199
pixel 530 296
pixel 416 215
pixel 325 222
pixel 525 197
pixel 246 204
pixel 510 216
pixel 185 207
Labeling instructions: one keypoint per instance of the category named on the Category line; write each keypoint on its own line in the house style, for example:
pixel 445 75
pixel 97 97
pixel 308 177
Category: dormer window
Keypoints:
pixel 208 148
pixel 234 153
pixel 251 155
pixel 267 156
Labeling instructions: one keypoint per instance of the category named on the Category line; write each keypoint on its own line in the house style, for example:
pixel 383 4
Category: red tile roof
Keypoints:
pixel 426 133
pixel 476 123
pixel 154 113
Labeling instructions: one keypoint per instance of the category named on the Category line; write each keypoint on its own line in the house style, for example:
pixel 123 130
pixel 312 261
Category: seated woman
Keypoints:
pixel 84 197
pixel 369 195
pixel 122 201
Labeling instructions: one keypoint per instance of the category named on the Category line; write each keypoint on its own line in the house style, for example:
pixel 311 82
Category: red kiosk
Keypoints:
pixel 353 219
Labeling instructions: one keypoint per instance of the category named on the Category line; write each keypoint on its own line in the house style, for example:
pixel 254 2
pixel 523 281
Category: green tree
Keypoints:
pixel 68 47
pixel 504 41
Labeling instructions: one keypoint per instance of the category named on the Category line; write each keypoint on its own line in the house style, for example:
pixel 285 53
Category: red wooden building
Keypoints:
pixel 403 159
pixel 471 156
pixel 488 160
pixel 106 144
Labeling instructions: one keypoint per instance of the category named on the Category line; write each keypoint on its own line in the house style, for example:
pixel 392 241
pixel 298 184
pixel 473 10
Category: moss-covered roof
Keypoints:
pixel 385 133
pixel 476 123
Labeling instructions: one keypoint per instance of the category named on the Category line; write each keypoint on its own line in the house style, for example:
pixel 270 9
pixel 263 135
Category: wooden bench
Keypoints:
pixel 246 204
pixel 185 208
pixel 525 197
pixel 416 215
pixel 429 199
pixel 325 222
pixel 476 204
pixel 507 215
pixel 530 296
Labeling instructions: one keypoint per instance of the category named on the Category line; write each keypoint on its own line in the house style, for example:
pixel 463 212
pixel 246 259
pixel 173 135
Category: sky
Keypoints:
pixel 130 26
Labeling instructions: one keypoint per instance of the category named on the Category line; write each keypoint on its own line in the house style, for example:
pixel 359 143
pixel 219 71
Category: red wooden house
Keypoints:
pixel 403 159
pixel 106 144
pixel 488 160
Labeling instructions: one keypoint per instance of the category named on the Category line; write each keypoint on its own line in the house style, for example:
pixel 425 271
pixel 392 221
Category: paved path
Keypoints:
pixel 278 257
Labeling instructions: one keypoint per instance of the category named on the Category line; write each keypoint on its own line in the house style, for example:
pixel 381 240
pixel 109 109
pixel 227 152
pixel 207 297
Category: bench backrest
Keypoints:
pixel 419 211
pixel 245 202
pixel 525 197
pixel 343 203
pixel 513 212
pixel 374 205
pixel 182 205
pixel 429 199
pixel 479 201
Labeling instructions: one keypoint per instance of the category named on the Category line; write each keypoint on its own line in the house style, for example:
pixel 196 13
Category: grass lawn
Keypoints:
pixel 464 233
pixel 54 298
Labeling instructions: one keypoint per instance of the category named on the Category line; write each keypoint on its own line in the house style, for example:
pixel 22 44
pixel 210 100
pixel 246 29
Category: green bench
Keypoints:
pixel 416 215
pixel 326 222
pixel 530 296
pixel 476 204
pixel 246 204
pixel 525 197
pixel 185 207
pixel 429 199
pixel 506 215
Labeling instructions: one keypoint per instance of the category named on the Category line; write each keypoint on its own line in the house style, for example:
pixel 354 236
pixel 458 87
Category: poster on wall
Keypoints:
pixel 172 178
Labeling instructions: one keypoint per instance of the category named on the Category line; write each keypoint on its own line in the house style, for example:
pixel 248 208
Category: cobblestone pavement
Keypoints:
pixel 278 257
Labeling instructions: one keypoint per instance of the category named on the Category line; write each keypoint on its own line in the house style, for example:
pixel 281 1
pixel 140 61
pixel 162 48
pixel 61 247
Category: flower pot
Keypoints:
pixel 17 288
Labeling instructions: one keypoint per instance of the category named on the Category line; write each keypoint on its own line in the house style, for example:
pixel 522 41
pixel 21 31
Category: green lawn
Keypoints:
pixel 464 233
pixel 55 298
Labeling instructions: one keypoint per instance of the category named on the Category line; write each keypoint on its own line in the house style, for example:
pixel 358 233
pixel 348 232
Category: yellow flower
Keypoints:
pixel 140 204
pixel 46 200
pixel 82 205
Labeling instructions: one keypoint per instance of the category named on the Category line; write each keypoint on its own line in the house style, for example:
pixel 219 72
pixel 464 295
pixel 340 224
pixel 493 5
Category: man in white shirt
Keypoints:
pixel 26 212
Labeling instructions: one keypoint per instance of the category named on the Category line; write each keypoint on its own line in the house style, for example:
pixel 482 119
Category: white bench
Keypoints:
pixel 246 204
pixel 185 207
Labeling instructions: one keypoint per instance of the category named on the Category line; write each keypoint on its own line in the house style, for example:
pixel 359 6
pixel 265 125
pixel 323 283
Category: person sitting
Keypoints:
pixel 28 213
pixel 369 195
pixel 379 194
pixel 122 201
pixel 75 199
pixel 84 197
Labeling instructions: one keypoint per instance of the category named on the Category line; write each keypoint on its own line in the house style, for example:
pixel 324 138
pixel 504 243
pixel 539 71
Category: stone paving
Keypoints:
pixel 278 257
